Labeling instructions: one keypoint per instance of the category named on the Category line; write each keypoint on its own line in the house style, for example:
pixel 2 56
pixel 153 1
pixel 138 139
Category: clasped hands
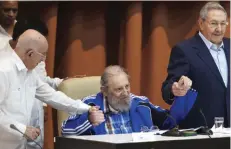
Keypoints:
pixel 181 87
pixel 96 116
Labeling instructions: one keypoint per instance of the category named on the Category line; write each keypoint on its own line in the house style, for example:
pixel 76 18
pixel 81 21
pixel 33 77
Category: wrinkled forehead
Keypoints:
pixel 119 80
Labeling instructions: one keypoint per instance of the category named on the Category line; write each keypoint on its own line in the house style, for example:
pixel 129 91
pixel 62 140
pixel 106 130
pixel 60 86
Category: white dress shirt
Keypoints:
pixel 37 115
pixel 4 34
pixel 4 42
pixel 18 89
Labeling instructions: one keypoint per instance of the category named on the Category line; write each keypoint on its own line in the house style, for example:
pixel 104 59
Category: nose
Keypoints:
pixel 125 91
pixel 219 28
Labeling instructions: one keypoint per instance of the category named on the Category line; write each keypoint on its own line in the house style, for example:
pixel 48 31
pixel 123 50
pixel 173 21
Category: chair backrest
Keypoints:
pixel 77 88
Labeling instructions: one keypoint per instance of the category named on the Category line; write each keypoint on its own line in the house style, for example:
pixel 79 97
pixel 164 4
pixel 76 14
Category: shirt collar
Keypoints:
pixel 3 31
pixel 208 43
pixel 18 62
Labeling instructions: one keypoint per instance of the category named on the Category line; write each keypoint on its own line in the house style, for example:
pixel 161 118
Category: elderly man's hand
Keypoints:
pixel 96 116
pixel 32 132
pixel 181 87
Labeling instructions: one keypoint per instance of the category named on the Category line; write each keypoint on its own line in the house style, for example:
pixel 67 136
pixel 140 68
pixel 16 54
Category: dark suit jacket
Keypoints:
pixel 193 59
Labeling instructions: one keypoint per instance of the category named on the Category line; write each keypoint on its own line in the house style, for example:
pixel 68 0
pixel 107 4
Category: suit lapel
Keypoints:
pixel 206 57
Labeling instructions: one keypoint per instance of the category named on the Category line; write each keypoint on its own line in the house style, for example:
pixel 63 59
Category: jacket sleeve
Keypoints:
pixel 167 119
pixel 76 125
pixel 178 66
pixel 159 115
pixel 180 109
pixel 162 118
pixel 57 99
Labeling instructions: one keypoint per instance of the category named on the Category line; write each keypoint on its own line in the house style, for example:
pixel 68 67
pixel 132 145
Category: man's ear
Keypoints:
pixel 200 23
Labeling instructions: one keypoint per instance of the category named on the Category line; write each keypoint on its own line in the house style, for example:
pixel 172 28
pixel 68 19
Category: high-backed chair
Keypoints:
pixel 77 88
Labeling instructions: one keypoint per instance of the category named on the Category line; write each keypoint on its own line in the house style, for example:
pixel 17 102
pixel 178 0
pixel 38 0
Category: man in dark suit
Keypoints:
pixel 202 62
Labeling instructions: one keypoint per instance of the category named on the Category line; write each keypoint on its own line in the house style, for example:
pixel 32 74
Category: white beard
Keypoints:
pixel 122 105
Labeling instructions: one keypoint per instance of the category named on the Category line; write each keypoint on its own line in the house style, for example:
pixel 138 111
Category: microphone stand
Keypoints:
pixel 12 126
pixel 174 132
pixel 204 130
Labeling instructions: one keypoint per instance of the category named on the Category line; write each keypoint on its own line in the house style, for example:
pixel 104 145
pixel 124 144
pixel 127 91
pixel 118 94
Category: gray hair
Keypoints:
pixel 210 6
pixel 111 71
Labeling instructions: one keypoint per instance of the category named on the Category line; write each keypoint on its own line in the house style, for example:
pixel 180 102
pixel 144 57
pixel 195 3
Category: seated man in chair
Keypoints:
pixel 120 111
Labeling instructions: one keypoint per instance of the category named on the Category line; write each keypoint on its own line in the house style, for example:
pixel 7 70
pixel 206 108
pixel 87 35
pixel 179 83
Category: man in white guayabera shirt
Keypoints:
pixel 37 116
pixel 10 30
pixel 20 84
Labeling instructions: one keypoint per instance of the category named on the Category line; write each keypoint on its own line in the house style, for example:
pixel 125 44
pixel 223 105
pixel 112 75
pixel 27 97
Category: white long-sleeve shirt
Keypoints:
pixel 18 89
pixel 4 42
pixel 37 115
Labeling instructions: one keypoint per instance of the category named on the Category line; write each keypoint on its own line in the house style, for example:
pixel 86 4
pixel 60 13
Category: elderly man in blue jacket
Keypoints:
pixel 121 111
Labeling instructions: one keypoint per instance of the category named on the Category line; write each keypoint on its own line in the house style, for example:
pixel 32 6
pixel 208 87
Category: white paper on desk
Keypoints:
pixel 143 136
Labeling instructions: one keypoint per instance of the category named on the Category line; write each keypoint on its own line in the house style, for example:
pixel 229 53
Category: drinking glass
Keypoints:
pixel 219 122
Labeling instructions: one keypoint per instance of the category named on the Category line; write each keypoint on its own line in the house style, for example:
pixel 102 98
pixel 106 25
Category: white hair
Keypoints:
pixel 111 71
pixel 210 6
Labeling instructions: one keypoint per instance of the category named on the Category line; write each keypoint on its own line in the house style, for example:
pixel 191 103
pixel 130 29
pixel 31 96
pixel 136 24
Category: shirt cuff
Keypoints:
pixel 82 107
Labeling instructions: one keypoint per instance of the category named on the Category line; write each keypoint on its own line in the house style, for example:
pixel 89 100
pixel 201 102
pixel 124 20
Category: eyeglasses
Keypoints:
pixel 215 24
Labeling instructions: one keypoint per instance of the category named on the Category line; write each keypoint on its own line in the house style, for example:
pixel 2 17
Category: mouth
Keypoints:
pixel 218 34
pixel 10 19
pixel 125 98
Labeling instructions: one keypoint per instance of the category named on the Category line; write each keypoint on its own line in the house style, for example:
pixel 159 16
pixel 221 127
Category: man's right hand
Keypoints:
pixel 96 116
pixel 181 87
pixel 32 132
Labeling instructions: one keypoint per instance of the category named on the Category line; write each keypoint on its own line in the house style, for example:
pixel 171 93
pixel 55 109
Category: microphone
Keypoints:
pixel 12 126
pixel 170 116
pixel 160 117
pixel 204 130
pixel 175 131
